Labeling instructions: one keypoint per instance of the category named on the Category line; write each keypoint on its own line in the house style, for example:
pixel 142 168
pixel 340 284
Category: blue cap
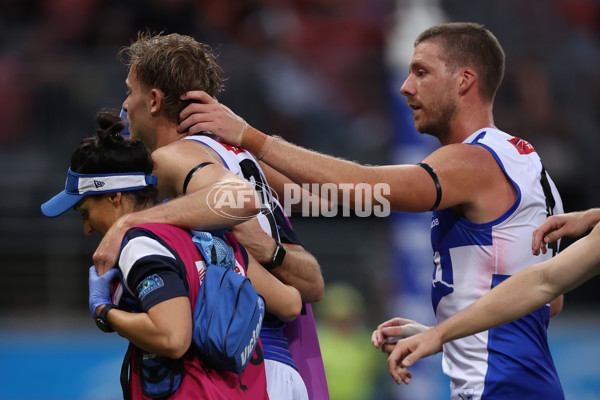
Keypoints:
pixel 80 185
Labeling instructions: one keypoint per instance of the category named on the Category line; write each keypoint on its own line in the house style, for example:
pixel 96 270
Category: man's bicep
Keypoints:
pixel 464 173
pixel 169 171
pixel 208 177
pixel 179 166
pixel 408 188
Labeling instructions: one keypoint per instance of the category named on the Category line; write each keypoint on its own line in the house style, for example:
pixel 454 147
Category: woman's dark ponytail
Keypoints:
pixel 110 153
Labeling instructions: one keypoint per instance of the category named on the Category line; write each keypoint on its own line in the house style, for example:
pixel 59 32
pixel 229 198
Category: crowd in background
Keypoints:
pixel 313 71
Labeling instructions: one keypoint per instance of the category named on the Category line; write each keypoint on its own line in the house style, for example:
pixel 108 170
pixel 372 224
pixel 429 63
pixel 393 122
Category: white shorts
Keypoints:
pixel 284 382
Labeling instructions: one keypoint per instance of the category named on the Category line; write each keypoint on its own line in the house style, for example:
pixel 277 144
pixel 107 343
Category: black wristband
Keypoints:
pixel 276 258
pixel 101 320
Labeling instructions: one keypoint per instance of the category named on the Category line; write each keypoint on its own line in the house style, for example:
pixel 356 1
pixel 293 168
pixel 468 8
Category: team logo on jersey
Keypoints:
pixel 235 150
pixel 98 184
pixel 522 146
pixel 467 395
pixel 148 285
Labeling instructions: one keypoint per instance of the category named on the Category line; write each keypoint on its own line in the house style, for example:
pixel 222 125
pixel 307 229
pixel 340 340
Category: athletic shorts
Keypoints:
pixel 284 382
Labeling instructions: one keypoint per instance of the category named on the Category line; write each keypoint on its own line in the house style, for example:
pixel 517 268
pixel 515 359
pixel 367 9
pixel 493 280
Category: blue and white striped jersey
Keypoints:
pixel 512 361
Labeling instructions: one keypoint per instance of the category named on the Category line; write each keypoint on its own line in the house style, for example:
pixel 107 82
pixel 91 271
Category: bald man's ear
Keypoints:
pixel 467 79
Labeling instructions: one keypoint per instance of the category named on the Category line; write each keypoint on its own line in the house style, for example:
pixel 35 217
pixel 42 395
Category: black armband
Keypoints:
pixel 438 187
pixel 191 173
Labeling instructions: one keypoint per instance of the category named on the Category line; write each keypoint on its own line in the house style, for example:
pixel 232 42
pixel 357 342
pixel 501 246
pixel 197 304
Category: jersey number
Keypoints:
pixel 252 174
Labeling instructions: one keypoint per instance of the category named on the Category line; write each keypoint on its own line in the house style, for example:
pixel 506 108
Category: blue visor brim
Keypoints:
pixel 61 203
pixel 80 185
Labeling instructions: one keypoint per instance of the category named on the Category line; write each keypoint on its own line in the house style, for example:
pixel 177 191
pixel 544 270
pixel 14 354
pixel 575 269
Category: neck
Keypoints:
pixel 467 122
pixel 166 133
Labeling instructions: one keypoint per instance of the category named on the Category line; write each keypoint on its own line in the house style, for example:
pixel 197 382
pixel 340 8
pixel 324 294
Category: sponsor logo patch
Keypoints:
pixel 522 146
pixel 148 285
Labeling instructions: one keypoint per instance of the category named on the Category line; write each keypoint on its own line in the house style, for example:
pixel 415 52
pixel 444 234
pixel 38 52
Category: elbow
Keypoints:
pixel 556 306
pixel 319 289
pixel 236 198
pixel 175 354
pixel 252 204
pixel 296 310
pixel 292 312
pixel 289 311
pixel 176 347
pixel 316 292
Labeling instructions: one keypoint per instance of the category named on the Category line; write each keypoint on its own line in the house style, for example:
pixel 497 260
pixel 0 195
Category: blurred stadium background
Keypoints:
pixel 324 74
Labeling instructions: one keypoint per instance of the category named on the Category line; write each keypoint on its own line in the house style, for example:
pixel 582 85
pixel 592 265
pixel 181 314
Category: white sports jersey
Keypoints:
pixel 272 219
pixel 243 164
pixel 512 361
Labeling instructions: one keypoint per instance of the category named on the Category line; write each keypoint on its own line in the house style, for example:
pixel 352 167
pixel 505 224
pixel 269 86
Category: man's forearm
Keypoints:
pixel 301 270
pixel 510 300
pixel 406 188
pixel 299 164
pixel 202 209
pixel 528 290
